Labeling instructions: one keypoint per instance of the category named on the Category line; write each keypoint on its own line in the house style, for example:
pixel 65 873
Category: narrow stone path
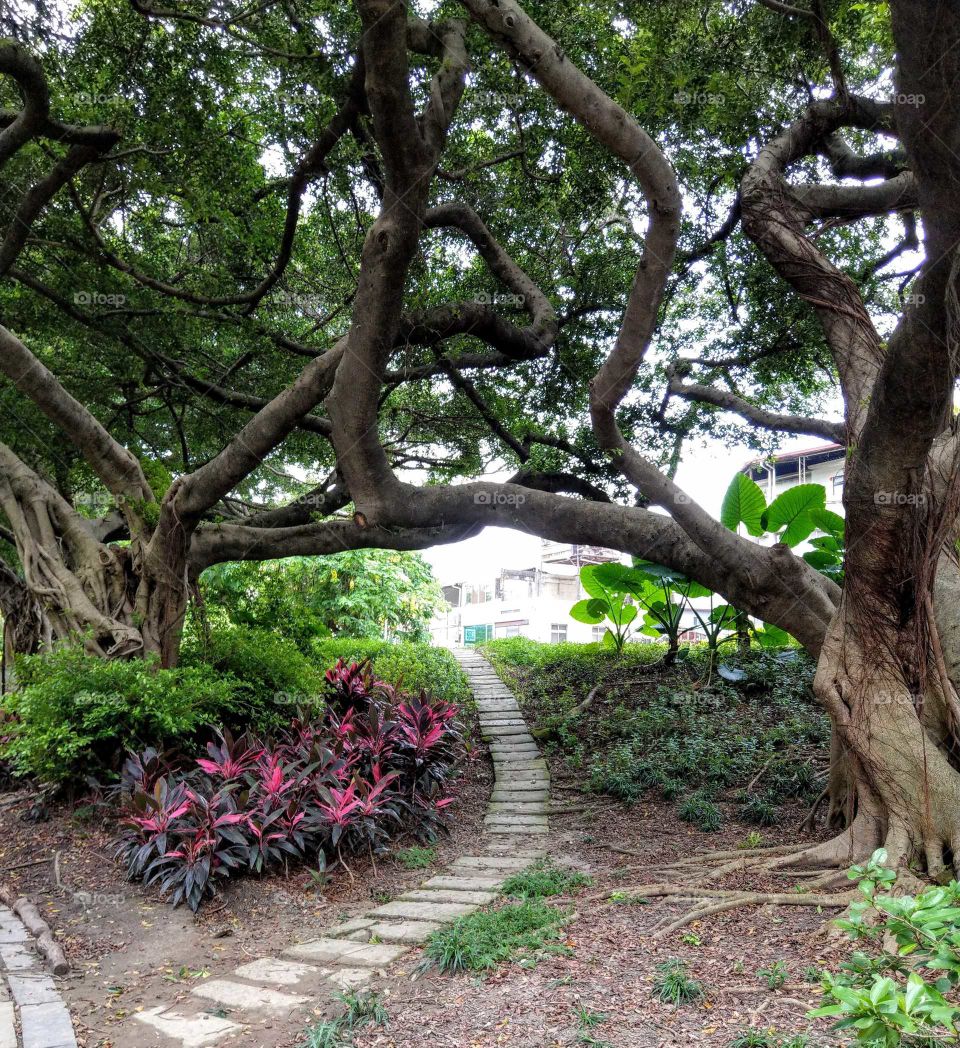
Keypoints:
pixel 32 1012
pixel 350 955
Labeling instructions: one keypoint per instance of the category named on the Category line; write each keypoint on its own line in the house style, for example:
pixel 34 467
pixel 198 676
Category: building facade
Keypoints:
pixel 529 602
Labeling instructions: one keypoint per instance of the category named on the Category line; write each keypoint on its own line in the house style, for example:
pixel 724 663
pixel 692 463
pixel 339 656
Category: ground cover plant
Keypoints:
pixel 488 937
pixel 901 987
pixel 689 735
pixel 375 764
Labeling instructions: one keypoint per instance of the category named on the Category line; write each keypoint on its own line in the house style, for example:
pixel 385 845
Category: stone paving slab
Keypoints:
pixel 277 972
pixel 412 932
pixel 470 884
pixel 354 954
pixel 505 827
pixel 423 911
pixel 491 862
pixel 192 1031
pixel 33 987
pixel 8 1030
pixel 247 997
pixel 351 978
pixel 47 1026
pixel 453 895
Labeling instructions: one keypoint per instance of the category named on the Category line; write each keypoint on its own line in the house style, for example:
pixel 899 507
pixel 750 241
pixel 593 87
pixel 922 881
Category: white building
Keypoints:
pixel 527 602
pixel 819 465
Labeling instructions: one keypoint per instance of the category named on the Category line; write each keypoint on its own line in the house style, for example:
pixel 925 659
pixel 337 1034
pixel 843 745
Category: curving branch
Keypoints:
pixel 757 416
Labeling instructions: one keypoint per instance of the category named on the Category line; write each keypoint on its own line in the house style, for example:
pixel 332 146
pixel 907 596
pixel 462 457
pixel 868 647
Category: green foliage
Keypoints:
pixel 764 1039
pixel 774 975
pixel 543 879
pixel 482 940
pixel 759 808
pixel 889 999
pixel 656 728
pixel 272 677
pixel 609 593
pixel 416 666
pixel 362 1009
pixel 75 715
pixel 417 857
pixel 673 984
pixel 363 594
pixel 699 810
pixel 743 504
pixel 792 517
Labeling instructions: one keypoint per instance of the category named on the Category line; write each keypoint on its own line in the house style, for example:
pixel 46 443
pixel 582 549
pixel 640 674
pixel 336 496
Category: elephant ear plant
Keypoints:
pixel 792 517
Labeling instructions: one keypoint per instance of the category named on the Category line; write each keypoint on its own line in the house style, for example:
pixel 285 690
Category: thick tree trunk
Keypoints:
pixel 907 789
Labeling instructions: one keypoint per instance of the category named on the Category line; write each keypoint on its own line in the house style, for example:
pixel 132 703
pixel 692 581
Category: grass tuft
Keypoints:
pixel 544 879
pixel 362 1009
pixel 417 858
pixel 673 985
pixel 482 940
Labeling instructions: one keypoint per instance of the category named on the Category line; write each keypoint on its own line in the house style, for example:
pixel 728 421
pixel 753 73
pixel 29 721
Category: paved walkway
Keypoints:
pixel 353 954
pixel 32 1012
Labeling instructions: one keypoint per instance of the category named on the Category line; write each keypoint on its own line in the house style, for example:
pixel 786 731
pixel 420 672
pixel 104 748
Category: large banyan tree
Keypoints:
pixel 396 246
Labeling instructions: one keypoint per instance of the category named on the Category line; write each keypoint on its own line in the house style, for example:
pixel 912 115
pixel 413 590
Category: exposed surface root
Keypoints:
pixel 686 880
pixel 707 902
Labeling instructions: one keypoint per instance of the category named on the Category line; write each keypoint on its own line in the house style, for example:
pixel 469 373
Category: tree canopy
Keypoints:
pixel 291 279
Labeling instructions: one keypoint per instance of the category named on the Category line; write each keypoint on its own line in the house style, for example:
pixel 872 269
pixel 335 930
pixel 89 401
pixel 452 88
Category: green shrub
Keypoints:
pixel 672 729
pixel 484 939
pixel 700 812
pixel 896 998
pixel 416 666
pixel 759 809
pixel 273 677
pixel 544 879
pixel 75 715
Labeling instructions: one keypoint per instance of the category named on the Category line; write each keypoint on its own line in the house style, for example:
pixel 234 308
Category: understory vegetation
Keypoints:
pixel 746 731
pixel 376 763
pixel 522 930
pixel 75 716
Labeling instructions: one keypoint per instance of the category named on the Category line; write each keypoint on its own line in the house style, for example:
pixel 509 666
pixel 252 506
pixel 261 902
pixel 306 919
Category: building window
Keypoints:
pixel 598 632
pixel 837 481
pixel 558 632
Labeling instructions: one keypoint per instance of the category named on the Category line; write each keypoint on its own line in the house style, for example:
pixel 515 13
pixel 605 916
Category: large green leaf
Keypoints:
pixel 624 614
pixel 791 511
pixel 591 611
pixel 743 504
pixel 828 521
pixel 772 636
pixel 591 584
